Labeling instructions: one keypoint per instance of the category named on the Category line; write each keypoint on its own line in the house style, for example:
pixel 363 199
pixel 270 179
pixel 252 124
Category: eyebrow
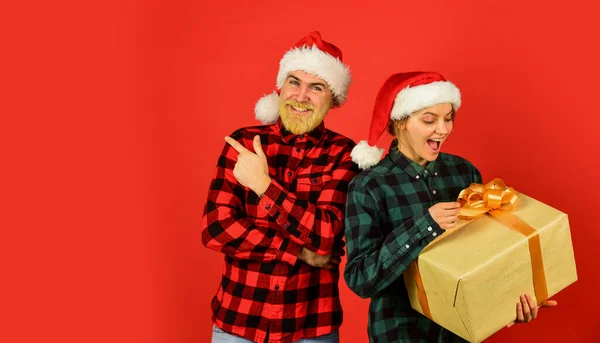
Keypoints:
pixel 435 114
pixel 310 84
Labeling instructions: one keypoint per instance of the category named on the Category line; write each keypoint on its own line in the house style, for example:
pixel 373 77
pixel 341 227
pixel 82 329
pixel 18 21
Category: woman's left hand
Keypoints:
pixel 527 310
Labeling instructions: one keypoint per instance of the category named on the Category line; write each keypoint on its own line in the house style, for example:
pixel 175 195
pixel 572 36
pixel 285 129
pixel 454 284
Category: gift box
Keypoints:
pixel 470 278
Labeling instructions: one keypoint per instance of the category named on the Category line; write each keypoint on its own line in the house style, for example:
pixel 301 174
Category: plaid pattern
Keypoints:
pixel 263 285
pixel 387 226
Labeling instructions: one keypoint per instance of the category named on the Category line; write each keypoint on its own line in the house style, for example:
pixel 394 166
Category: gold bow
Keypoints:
pixel 479 199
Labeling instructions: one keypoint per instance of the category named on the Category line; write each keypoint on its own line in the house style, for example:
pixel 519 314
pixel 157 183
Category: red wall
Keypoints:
pixel 115 145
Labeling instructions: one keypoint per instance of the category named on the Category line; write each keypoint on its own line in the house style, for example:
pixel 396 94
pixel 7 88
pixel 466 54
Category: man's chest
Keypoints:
pixel 301 169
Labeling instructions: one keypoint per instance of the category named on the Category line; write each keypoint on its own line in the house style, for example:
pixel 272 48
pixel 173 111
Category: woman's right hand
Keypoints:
pixel 445 214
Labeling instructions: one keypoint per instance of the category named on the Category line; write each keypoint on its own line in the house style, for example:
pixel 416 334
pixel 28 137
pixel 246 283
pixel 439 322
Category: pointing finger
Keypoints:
pixel 235 144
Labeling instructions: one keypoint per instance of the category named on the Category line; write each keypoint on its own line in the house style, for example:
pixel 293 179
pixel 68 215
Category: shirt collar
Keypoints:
pixel 411 167
pixel 289 138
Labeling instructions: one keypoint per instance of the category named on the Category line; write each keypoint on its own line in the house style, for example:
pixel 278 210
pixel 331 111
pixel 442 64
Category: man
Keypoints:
pixel 275 207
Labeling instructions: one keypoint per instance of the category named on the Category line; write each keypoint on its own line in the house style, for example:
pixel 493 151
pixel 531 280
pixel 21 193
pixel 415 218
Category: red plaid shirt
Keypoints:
pixel 264 286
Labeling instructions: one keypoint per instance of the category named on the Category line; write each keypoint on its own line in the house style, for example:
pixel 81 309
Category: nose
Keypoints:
pixel 302 94
pixel 443 127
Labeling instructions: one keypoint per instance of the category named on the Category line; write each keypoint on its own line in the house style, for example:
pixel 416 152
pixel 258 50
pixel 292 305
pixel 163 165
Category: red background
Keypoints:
pixel 113 116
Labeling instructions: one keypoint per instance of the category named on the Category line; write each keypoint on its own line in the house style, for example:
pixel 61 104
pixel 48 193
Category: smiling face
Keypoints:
pixel 303 102
pixel 421 135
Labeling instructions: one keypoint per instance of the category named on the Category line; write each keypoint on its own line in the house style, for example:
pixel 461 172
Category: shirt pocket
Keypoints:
pixel 311 183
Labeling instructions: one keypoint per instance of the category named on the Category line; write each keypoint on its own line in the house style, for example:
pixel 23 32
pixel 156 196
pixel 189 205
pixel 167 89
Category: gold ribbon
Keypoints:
pixel 496 200
pixel 480 199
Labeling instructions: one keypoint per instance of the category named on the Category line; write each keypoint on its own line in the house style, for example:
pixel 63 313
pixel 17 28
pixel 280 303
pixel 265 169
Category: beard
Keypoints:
pixel 301 123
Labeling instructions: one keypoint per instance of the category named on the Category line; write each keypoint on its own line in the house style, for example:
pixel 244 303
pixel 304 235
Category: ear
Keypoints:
pixel 331 100
pixel 401 124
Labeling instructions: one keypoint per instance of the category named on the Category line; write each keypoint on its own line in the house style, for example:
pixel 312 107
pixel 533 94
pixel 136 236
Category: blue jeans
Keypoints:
pixel 220 336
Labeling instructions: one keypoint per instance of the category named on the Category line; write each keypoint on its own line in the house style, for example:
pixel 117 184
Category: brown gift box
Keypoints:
pixel 472 276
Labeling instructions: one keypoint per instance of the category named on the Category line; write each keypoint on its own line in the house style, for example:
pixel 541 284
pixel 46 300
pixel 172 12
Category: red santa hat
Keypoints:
pixel 401 95
pixel 312 55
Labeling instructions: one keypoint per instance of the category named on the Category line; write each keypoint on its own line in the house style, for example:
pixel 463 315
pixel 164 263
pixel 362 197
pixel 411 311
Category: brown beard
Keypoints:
pixel 299 123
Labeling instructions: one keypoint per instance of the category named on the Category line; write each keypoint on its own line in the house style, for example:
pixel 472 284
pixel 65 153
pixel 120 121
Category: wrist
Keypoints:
pixel 262 187
pixel 301 254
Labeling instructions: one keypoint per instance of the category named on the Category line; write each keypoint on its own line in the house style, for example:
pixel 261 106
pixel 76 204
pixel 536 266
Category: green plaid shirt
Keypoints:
pixel 387 226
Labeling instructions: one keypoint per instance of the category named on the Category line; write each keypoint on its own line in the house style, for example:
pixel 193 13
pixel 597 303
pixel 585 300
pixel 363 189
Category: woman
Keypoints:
pixel 401 203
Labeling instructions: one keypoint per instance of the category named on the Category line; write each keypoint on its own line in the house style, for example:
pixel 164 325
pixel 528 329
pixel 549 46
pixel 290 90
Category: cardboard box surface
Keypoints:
pixel 473 276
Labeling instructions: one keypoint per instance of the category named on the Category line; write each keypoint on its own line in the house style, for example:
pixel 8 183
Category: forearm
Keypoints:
pixel 238 238
pixel 315 224
pixel 376 263
pixel 310 225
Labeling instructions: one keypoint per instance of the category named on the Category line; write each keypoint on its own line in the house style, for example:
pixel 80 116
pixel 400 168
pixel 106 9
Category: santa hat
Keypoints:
pixel 312 55
pixel 401 95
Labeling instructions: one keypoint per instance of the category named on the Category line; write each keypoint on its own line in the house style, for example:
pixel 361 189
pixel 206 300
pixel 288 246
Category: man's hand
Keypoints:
pixel 320 261
pixel 527 310
pixel 445 214
pixel 251 168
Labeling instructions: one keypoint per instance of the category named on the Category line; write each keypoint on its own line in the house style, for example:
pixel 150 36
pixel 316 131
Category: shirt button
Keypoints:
pixel 435 173
pixel 289 173
pixel 276 287
pixel 433 191
pixel 407 246
pixel 417 177
pixel 434 234
pixel 286 225
pixel 268 207
pixel 429 228
pixel 315 180
pixel 297 149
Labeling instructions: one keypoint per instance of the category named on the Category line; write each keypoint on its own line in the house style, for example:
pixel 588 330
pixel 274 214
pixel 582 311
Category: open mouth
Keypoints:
pixel 435 144
pixel 300 110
